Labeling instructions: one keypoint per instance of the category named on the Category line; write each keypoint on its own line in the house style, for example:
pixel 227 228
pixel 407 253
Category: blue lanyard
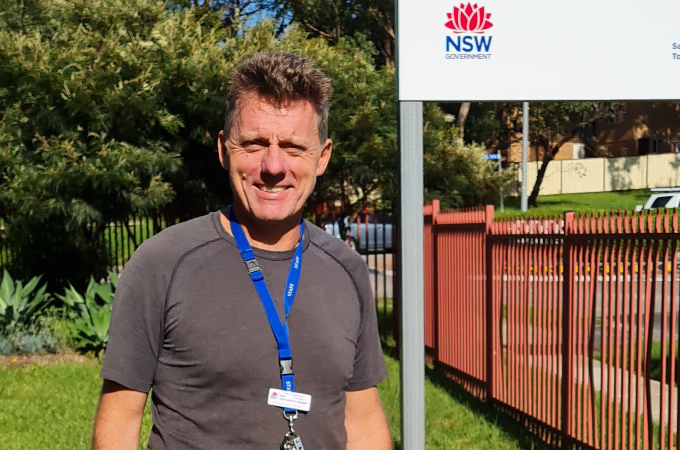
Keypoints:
pixel 280 329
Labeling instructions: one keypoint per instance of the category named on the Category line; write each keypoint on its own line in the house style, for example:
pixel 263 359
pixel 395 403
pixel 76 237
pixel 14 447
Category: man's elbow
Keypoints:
pixel 370 433
pixel 118 420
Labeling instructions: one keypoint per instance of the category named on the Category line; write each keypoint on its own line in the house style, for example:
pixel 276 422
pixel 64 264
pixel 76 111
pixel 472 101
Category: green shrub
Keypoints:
pixel 91 313
pixel 22 342
pixel 60 325
pixel 5 347
pixel 20 305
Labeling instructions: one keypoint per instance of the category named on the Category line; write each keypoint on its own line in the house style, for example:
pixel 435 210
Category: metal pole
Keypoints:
pixel 525 151
pixel 412 339
pixel 500 169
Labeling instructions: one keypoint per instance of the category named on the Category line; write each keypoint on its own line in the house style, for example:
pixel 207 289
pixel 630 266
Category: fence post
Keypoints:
pixel 396 276
pixel 435 282
pixel 566 421
pixel 490 344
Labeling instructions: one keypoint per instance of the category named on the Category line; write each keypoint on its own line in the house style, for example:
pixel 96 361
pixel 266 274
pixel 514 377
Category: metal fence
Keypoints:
pixel 120 239
pixel 117 240
pixel 570 324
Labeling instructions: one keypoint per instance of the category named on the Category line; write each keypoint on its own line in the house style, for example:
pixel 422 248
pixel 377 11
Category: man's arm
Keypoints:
pixel 365 421
pixel 119 418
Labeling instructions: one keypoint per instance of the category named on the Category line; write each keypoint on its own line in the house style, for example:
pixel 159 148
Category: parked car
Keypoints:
pixel 377 237
pixel 661 198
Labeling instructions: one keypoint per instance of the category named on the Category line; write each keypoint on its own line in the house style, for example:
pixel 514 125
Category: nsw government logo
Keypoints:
pixel 469 24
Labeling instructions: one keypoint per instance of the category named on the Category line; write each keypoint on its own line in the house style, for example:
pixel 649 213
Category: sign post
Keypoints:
pixel 525 155
pixel 500 169
pixel 509 51
pixel 412 342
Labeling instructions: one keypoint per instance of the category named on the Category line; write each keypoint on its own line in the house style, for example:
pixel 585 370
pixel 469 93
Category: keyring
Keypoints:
pixel 291 417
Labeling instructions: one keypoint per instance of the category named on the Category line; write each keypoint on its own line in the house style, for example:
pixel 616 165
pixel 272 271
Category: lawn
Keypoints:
pixel 53 407
pixel 557 204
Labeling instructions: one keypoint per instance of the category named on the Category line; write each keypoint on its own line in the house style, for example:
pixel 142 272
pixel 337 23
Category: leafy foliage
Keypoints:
pixel 5 346
pixel 552 124
pixel 81 128
pixel 334 20
pixel 91 313
pixel 30 343
pixel 111 108
pixel 20 304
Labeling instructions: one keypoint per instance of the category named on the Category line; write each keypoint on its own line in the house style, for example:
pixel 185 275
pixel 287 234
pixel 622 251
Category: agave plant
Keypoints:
pixel 91 313
pixel 19 303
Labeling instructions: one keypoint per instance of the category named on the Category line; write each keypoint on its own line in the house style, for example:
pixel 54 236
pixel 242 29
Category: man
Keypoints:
pixel 199 318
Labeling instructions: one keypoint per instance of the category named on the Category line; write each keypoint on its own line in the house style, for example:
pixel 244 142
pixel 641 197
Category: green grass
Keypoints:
pixel 616 410
pixel 385 311
pixel 53 407
pixel 557 204
pixel 454 418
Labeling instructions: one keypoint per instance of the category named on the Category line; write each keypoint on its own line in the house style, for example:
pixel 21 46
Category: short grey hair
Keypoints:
pixel 280 78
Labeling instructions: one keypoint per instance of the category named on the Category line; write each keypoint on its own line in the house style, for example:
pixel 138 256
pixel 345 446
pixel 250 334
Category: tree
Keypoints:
pixel 232 14
pixel 553 124
pixel 80 130
pixel 456 174
pixel 110 108
pixel 334 19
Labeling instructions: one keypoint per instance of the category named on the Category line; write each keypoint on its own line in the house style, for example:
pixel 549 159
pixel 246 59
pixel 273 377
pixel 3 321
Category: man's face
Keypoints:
pixel 273 156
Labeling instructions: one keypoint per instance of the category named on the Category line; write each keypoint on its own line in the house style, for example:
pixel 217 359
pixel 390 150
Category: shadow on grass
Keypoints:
pixel 513 428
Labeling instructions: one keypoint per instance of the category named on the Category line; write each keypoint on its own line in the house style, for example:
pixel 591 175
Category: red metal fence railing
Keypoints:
pixel 526 293
pixel 568 323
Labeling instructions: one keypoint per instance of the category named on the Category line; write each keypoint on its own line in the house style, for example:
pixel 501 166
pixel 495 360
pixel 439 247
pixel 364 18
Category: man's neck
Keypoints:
pixel 266 236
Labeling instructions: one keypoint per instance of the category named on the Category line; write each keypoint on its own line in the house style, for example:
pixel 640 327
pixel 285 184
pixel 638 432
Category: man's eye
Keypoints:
pixel 293 148
pixel 253 146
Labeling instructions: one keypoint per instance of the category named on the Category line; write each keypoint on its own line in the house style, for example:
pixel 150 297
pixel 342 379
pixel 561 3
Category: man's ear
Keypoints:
pixel 222 150
pixel 325 157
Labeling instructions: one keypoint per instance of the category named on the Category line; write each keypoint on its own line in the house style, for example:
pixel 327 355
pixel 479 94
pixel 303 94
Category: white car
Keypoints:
pixel 662 198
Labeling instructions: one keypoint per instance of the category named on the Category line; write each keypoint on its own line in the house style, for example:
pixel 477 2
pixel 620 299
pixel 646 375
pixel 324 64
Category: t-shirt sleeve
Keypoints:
pixel 137 324
pixel 369 364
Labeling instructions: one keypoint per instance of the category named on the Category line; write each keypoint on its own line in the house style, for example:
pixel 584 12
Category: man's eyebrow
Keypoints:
pixel 292 141
pixel 250 137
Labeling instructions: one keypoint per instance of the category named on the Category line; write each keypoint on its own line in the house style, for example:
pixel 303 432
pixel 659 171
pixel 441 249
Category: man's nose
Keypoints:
pixel 274 160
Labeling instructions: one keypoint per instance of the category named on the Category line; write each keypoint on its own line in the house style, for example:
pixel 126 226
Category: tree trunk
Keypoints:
pixel 462 117
pixel 547 157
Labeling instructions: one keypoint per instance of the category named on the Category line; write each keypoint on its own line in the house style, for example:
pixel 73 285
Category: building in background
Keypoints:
pixel 638 129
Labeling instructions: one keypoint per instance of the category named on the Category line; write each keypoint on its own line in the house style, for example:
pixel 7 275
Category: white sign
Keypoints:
pixel 532 50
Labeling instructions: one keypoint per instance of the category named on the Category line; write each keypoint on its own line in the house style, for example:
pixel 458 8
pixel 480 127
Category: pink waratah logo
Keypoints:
pixel 468 19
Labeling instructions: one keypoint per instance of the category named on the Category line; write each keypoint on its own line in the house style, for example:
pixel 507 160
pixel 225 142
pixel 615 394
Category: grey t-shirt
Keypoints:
pixel 187 322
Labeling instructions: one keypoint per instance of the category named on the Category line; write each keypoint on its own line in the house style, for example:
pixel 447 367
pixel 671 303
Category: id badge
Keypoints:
pixel 292 400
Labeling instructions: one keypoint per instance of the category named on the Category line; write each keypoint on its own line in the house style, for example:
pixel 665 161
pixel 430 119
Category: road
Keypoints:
pixel 380 271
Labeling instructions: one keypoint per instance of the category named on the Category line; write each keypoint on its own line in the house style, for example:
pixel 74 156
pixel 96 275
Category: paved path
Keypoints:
pixel 622 379
pixel 381 279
